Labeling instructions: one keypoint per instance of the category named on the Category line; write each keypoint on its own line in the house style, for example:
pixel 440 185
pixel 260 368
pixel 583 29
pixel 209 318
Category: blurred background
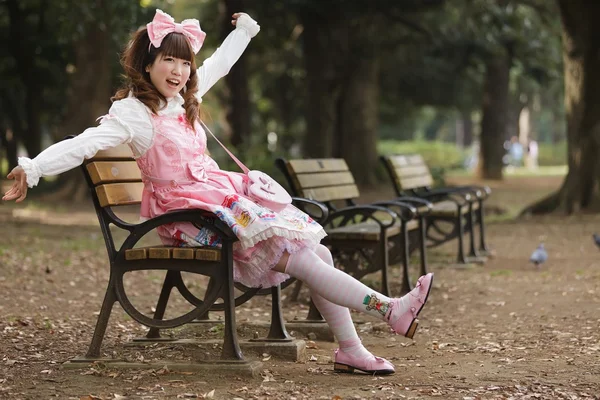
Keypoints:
pixel 475 86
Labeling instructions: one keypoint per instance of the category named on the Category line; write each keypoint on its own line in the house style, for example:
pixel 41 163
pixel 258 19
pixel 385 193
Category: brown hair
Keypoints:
pixel 139 54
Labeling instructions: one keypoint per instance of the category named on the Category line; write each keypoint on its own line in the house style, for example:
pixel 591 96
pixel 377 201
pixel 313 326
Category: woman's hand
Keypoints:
pixel 18 190
pixel 236 16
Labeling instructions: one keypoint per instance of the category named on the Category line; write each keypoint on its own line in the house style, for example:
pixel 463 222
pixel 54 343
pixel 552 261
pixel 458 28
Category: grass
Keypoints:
pixel 554 170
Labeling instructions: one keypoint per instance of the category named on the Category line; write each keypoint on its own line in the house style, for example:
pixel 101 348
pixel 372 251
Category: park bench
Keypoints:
pixel 460 206
pixel 363 238
pixel 115 181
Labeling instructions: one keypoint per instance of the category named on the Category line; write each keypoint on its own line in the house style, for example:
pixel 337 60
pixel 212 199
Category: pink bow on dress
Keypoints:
pixel 198 171
pixel 163 24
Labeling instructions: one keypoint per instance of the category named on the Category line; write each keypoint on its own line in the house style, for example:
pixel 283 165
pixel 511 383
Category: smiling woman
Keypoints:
pixel 169 75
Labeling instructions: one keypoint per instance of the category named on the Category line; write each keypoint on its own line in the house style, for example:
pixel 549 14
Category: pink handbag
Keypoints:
pixel 262 189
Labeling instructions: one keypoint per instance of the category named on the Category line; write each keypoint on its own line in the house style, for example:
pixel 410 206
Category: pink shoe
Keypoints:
pixel 371 365
pixel 406 324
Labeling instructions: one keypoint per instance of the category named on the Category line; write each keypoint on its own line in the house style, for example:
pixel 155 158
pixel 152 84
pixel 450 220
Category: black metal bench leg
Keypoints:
pixel 461 231
pixel 422 249
pixel 384 257
pixel 296 293
pixel 482 245
pixel 471 227
pixel 231 347
pixel 206 317
pixel 163 299
pixel 277 330
pixel 406 285
pixel 313 313
pixel 107 304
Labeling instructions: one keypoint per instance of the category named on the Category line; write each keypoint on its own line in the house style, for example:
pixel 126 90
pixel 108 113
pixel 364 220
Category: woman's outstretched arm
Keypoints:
pixel 127 122
pixel 218 65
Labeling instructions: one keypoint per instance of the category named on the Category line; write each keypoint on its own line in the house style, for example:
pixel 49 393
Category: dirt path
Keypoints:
pixel 500 331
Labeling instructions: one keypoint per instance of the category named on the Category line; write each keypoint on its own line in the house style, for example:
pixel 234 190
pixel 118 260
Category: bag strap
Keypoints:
pixel 238 162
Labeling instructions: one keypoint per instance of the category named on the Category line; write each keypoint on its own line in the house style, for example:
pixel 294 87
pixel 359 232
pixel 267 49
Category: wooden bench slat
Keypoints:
pixel 415 182
pixel 136 254
pixel 413 170
pixel 331 193
pixel 409 171
pixel 120 152
pixel 160 253
pixel 405 160
pixel 318 165
pixel 415 159
pixel 397 161
pixel 120 194
pixel 313 180
pixel 113 171
pixel 208 254
pixel 181 253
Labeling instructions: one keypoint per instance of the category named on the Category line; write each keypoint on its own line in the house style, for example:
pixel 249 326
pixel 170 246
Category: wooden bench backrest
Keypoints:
pixel 116 177
pixel 326 179
pixel 409 171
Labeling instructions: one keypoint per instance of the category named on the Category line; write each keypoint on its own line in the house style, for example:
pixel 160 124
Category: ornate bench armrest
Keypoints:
pixel 460 198
pixel 406 210
pixel 366 212
pixel 302 203
pixel 418 202
pixel 482 192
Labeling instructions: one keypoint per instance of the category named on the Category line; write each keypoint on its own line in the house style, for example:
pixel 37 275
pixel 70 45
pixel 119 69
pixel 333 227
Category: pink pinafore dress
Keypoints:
pixel 178 174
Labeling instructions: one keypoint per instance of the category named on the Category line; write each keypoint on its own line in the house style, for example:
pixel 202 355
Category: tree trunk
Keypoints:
pixel 9 142
pixel 87 98
pixel 321 39
pixel 467 126
pixel 493 122
pixel 33 133
pixel 29 76
pixel 238 110
pixel 581 35
pixel 8 138
pixel 359 120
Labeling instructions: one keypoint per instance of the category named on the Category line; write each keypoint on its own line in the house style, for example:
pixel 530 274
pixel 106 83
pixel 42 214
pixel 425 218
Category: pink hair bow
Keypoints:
pixel 163 24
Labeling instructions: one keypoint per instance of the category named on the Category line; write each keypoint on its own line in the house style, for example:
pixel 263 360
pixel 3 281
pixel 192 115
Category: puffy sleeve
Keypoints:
pixel 127 122
pixel 218 65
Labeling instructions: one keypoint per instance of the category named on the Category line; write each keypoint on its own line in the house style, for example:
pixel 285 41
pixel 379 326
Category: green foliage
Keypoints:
pixel 436 154
pixel 431 55
pixel 38 64
pixel 552 154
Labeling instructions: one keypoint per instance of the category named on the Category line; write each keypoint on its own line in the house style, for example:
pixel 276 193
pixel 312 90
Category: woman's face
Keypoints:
pixel 169 75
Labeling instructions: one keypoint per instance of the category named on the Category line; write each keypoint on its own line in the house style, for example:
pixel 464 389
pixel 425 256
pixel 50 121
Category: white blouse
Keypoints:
pixel 129 119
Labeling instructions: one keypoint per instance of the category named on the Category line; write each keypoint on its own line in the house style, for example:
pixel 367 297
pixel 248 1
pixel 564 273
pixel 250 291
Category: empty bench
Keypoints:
pixel 363 238
pixel 460 206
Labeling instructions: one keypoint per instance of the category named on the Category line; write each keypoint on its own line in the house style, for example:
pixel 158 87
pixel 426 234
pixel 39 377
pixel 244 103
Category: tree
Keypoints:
pixel 60 66
pixel 581 36
pixel 342 44
pixel 238 112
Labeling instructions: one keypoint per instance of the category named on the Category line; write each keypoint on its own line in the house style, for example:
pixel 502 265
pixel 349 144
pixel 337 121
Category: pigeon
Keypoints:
pixel 596 239
pixel 539 256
